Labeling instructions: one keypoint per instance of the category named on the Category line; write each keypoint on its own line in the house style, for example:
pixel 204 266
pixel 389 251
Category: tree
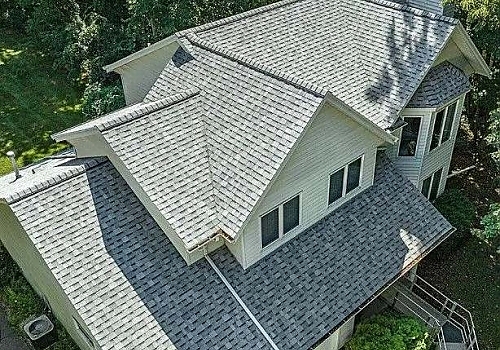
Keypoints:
pixel 481 18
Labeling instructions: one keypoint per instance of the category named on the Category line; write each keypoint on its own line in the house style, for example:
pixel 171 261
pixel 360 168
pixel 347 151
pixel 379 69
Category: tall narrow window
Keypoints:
pixel 280 220
pixel 443 125
pixel 345 180
pixel 430 186
pixel 409 136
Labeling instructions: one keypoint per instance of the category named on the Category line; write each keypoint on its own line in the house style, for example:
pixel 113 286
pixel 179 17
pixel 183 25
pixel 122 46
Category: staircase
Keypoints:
pixel 451 323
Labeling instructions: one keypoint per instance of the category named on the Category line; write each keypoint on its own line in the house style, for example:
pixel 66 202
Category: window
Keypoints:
pixel 280 221
pixel 344 180
pixel 443 124
pixel 83 333
pixel 430 186
pixel 409 136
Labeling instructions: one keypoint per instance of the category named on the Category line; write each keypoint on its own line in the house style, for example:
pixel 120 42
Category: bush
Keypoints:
pixel 390 331
pixel 491 222
pixel 457 209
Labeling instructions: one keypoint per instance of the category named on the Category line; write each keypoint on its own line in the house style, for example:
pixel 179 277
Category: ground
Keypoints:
pixel 35 102
pixel 471 274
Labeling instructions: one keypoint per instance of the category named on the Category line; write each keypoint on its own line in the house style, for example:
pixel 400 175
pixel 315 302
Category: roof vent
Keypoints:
pixel 40 332
pixel 12 157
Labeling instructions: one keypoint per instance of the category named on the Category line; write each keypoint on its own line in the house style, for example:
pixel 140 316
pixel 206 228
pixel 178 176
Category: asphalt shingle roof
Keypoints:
pixel 119 270
pixel 134 291
pixel 308 286
pixel 441 85
pixel 370 54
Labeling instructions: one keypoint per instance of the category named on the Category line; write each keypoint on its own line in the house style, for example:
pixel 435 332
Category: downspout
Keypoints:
pixel 241 302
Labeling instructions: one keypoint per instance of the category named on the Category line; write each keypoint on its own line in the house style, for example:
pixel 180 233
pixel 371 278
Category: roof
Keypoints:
pixel 442 84
pixel 253 102
pixel 308 286
pixel 370 54
pixel 122 273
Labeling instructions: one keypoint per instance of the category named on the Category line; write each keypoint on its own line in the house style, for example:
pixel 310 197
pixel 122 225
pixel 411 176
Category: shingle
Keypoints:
pixel 309 285
pixel 441 85
pixel 129 284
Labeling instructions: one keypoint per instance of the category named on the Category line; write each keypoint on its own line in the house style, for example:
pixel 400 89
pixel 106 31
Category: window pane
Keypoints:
pixel 353 173
pixel 426 187
pixel 436 133
pixel 450 116
pixel 269 226
pixel 435 184
pixel 336 184
pixel 409 137
pixel 290 214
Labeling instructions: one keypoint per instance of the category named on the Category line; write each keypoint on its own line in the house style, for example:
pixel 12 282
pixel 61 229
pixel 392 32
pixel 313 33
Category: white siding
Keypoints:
pixel 38 274
pixel 338 338
pixel 332 141
pixel 427 5
pixel 138 76
pixel 411 166
pixel 440 157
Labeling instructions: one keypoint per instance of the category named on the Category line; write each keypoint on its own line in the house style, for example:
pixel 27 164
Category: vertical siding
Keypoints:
pixel 138 76
pixel 411 166
pixel 38 274
pixel 440 157
pixel 331 142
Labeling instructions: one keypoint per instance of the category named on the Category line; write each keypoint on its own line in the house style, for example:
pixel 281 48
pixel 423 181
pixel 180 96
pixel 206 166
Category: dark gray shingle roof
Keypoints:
pixel 442 84
pixel 312 283
pixel 122 274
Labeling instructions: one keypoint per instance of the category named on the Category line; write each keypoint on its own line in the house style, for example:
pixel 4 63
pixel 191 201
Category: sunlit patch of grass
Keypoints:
pixel 7 54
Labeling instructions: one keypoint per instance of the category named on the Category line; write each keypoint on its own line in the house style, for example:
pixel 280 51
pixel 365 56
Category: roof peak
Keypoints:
pixel 413 10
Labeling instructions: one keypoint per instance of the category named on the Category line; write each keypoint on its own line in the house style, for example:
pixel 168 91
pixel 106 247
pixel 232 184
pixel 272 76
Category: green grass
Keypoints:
pixel 34 102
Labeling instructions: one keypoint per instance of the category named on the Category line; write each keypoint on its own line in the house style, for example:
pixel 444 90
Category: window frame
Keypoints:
pixel 281 220
pixel 431 183
pixel 445 118
pixel 418 135
pixel 345 168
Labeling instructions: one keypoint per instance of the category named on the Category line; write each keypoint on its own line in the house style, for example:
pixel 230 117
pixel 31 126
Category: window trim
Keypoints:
pixel 281 220
pixel 344 180
pixel 445 117
pixel 431 176
pixel 418 137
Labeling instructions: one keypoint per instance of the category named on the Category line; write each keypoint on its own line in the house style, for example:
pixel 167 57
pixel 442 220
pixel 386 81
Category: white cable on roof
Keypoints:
pixel 242 303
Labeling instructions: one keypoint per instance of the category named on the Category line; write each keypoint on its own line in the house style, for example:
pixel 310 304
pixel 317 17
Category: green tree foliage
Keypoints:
pixel 457 209
pixel 481 18
pixel 491 222
pixel 388 331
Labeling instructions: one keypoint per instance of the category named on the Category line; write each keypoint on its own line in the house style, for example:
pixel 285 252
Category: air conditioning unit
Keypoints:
pixel 40 331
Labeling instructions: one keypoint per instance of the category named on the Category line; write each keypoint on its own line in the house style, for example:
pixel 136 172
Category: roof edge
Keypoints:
pixel 415 11
pixel 481 67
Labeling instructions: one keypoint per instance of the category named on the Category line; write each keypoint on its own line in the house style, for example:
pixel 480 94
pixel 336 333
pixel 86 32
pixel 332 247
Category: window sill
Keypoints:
pixel 283 239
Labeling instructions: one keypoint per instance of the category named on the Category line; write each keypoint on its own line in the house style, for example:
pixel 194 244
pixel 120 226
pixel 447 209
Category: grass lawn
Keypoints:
pixel 34 102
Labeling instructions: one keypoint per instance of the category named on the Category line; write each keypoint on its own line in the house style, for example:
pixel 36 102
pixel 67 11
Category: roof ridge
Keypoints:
pixel 237 17
pixel 56 179
pixel 147 109
pixel 276 73
pixel 415 11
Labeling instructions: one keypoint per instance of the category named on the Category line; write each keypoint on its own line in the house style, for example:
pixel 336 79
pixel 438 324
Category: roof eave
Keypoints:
pixel 476 60
pixel 141 53
pixel 71 135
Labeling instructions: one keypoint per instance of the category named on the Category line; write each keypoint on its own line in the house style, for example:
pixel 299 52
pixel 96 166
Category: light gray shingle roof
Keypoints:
pixel 134 290
pixel 309 285
pixel 119 270
pixel 441 85
pixel 370 54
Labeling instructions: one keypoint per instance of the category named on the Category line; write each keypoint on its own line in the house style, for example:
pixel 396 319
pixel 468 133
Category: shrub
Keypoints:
pixel 99 100
pixel 390 331
pixel 491 222
pixel 457 209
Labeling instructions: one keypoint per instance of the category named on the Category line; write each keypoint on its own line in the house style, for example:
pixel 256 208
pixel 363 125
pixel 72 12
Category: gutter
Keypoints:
pixel 241 302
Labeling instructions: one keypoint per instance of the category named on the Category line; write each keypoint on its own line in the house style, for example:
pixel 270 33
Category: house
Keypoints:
pixel 270 176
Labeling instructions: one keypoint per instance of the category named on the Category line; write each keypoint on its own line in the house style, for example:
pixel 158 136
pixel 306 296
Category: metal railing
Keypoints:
pixel 455 313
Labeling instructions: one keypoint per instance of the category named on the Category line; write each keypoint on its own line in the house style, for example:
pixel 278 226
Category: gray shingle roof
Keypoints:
pixel 124 276
pixel 370 54
pixel 441 85
pixel 119 270
pixel 308 286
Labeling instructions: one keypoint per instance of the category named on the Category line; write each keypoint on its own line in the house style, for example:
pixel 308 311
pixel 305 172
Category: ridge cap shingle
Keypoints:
pixel 415 11
pixel 254 64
